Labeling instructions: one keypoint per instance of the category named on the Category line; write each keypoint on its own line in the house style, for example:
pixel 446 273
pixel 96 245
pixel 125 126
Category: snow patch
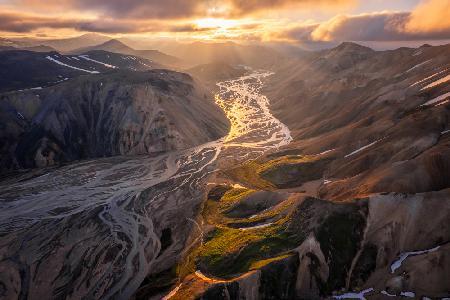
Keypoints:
pixel 326 151
pixel 256 227
pixel 418 66
pixel 69 66
pixel 437 99
pixel 429 77
pixel 398 263
pixel 437 82
pixel 387 294
pixel 408 294
pixel 85 57
pixel 359 295
pixel 362 148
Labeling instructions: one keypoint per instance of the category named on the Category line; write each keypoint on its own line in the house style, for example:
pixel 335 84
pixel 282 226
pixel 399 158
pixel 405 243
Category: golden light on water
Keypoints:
pixel 234 115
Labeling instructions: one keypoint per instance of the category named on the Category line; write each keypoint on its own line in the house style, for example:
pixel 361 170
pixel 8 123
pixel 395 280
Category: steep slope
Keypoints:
pixel 381 114
pixel 353 207
pixel 118 113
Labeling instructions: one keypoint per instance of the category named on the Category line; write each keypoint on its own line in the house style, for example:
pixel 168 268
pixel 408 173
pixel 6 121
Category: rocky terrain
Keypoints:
pixel 23 69
pixel 98 115
pixel 334 186
pixel 354 206
pixel 105 225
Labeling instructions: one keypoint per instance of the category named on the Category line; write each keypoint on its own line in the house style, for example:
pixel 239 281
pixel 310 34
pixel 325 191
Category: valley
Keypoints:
pixel 233 172
pixel 105 220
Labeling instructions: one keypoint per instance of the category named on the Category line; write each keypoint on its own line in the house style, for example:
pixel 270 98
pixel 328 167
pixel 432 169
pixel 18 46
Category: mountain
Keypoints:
pixel 379 111
pixel 21 69
pixel 39 48
pixel 117 46
pixel 215 72
pixel 331 183
pixel 13 43
pixel 118 113
pixel 69 44
pixel 353 207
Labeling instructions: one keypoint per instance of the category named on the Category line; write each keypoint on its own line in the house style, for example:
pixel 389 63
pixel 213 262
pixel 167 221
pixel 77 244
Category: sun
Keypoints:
pixel 216 23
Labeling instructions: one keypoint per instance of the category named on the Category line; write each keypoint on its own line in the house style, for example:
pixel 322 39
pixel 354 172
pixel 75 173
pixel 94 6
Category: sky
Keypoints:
pixel 293 21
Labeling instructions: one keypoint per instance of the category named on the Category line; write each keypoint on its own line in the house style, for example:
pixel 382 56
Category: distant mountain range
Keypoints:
pixel 117 46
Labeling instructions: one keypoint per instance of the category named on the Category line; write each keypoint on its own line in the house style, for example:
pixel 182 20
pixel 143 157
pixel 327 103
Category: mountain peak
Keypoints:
pixel 350 46
pixel 114 42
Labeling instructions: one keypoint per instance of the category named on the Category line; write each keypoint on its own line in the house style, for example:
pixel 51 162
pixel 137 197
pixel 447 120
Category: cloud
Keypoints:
pixel 129 9
pixel 176 9
pixel 243 7
pixel 365 27
pixel 428 21
pixel 22 23
pixel 384 26
pixel 430 16
pixel 26 23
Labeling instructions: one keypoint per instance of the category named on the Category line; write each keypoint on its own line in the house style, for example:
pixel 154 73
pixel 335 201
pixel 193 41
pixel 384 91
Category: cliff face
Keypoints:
pixel 121 113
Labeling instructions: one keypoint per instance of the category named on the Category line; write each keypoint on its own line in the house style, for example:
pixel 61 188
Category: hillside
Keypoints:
pixel 20 69
pixel 353 207
pixel 118 113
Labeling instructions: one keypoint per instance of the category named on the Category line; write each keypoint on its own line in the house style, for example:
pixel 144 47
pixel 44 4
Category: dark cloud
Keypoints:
pixel 242 7
pixel 122 9
pixel 172 9
pixel 25 23
pixel 16 22
pixel 141 8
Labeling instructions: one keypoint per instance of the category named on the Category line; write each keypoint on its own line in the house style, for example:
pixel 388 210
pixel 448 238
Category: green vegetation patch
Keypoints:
pixel 232 251
pixel 262 263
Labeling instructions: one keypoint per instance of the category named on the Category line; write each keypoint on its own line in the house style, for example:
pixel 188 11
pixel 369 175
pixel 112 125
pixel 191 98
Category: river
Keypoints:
pixel 92 229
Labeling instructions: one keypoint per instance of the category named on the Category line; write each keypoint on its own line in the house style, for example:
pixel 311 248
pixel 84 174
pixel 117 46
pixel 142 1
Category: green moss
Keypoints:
pixel 233 251
pixel 261 263
pixel 234 195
